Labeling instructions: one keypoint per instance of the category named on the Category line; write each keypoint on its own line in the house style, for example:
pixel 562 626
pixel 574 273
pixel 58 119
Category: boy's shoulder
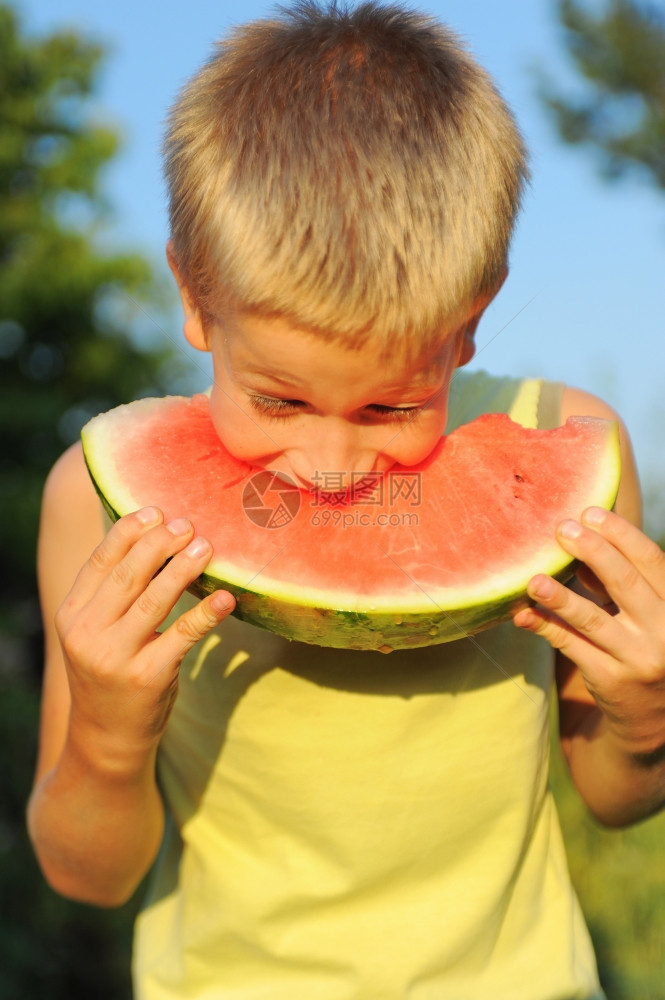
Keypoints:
pixel 70 502
pixel 69 475
pixel 580 403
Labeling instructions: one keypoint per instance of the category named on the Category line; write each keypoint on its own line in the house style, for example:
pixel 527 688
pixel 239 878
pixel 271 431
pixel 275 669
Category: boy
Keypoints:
pixel 339 824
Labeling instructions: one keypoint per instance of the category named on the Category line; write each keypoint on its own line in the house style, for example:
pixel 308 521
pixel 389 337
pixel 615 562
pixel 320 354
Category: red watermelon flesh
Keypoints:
pixel 413 557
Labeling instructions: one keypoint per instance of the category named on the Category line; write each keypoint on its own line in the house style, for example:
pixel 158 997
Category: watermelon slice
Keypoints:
pixel 409 558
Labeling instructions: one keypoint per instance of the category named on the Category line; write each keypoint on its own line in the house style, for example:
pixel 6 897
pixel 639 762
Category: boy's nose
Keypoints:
pixel 333 458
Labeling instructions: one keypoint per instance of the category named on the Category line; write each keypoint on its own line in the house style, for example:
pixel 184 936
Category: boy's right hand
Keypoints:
pixel 122 672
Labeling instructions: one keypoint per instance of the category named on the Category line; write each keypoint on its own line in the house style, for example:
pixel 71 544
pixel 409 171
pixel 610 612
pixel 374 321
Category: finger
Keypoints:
pixel 592 661
pixel 571 617
pixel 617 572
pixel 111 550
pixel 170 648
pixel 636 547
pixel 155 603
pixel 114 546
pixel 131 576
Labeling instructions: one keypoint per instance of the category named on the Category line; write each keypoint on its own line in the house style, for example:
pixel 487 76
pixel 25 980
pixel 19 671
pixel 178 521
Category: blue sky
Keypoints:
pixel 584 299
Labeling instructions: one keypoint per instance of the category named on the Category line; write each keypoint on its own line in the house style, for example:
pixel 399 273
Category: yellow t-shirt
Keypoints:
pixel 345 825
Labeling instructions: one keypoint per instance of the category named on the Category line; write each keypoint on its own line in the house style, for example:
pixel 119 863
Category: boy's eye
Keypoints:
pixel 275 407
pixel 395 412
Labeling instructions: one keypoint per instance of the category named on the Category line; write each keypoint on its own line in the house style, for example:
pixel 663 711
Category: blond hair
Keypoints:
pixel 354 171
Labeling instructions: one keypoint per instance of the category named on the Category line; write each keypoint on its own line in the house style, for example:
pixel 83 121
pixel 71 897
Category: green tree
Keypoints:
pixel 69 347
pixel 618 50
pixel 64 348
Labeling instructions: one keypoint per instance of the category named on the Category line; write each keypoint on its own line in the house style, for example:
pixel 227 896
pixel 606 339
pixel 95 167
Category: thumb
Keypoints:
pixel 195 623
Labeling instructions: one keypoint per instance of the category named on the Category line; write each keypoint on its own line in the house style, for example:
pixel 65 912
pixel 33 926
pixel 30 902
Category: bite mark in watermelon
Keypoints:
pixel 419 567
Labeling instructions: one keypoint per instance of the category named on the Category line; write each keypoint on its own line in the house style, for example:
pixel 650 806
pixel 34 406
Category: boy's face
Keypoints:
pixel 290 402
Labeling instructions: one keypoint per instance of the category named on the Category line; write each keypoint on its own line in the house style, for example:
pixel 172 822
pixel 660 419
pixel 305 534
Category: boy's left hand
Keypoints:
pixel 619 645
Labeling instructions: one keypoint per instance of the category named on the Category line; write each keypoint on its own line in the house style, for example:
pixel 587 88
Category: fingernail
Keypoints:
pixel 198 547
pixel 148 515
pixel 180 526
pixel 525 619
pixel 570 529
pixel 595 515
pixel 541 586
pixel 219 602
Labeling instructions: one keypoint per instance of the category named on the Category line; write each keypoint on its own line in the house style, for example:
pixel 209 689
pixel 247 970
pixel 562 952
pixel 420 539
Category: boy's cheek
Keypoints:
pixel 415 442
pixel 253 447
pixel 238 430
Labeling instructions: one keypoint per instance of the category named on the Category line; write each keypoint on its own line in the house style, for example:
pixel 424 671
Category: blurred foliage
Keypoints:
pixel 68 343
pixel 618 50
pixel 70 346
pixel 49 947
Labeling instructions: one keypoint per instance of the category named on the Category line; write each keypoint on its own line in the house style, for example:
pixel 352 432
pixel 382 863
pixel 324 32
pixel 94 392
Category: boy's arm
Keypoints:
pixel 95 815
pixel 610 641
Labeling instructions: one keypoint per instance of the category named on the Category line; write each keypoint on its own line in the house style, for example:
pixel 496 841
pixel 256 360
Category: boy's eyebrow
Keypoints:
pixel 425 379
pixel 287 380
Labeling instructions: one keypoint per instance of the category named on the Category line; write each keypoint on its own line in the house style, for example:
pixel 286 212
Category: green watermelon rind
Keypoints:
pixel 326 618
pixel 377 630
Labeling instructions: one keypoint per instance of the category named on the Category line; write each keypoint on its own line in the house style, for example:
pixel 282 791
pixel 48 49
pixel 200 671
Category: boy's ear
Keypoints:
pixel 468 347
pixel 468 344
pixel 193 324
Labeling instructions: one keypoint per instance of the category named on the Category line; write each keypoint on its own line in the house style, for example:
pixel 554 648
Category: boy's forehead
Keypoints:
pixel 273 349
